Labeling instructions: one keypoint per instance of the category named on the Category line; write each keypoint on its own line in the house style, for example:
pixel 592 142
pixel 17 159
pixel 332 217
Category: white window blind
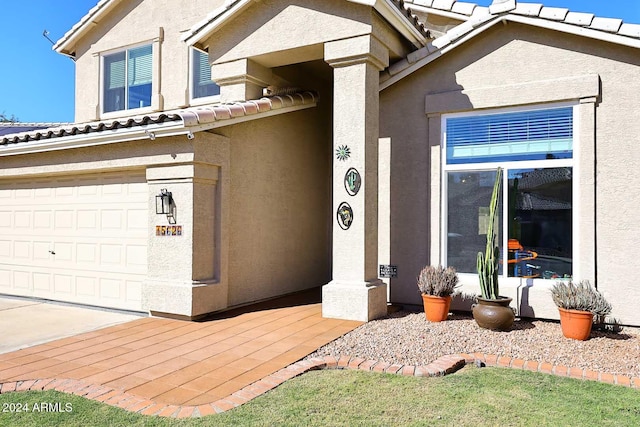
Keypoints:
pixel 203 71
pixel 140 66
pixel 202 84
pixel 528 135
pixel 114 70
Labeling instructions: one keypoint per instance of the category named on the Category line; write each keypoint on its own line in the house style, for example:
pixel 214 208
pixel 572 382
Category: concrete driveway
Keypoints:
pixel 24 323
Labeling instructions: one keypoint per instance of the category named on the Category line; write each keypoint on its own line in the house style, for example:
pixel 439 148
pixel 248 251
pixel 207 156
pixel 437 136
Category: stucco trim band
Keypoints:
pixel 538 92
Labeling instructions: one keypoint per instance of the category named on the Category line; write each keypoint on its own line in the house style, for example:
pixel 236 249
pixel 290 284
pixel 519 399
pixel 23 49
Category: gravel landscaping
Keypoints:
pixel 408 338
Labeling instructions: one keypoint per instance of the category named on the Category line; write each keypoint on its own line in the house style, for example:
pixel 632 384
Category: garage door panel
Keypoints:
pixel 42 219
pixel 42 191
pixel 62 284
pixel 111 289
pixel 6 220
pixel 63 220
pixel 24 193
pixel 137 220
pixel 88 220
pixel 6 248
pixel 86 253
pixel 111 219
pixel 22 219
pixel 21 280
pixel 86 287
pixel 134 291
pixel 42 284
pixel 63 252
pixel 80 239
pixel 21 250
pixel 41 251
pixel 5 279
pixel 64 189
pixel 136 256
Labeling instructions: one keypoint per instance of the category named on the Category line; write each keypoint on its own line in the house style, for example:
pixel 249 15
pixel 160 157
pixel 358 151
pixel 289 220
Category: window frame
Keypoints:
pixel 192 81
pixel 572 162
pixel 154 83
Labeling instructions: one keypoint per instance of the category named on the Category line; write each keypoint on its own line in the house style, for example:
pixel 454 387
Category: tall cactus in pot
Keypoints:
pixel 488 263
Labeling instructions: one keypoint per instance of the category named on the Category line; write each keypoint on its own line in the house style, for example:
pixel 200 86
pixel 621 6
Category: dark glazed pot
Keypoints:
pixel 494 314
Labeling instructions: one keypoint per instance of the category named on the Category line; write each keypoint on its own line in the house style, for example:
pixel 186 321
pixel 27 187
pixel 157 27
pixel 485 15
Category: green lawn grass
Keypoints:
pixel 472 397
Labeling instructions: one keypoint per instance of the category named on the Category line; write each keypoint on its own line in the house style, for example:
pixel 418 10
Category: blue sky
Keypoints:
pixel 40 87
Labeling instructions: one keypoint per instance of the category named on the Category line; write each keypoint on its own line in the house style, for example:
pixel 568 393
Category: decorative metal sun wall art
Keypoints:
pixel 343 152
pixel 352 181
pixel 345 215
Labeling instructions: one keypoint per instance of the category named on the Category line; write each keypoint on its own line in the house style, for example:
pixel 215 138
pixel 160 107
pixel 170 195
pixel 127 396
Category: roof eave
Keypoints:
pixel 400 22
pixel 576 30
pixel 189 125
pixel 66 44
pixel 215 21
pixel 447 46
pixel 386 8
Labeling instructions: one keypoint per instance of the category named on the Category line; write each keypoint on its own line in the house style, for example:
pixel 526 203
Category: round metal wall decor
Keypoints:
pixel 352 181
pixel 343 152
pixel 345 215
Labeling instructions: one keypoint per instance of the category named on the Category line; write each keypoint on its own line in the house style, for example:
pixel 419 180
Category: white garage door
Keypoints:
pixel 79 239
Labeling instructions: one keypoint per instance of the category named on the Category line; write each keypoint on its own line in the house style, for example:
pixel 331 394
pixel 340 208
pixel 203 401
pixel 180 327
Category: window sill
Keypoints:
pixel 127 113
pixel 531 297
pixel 194 102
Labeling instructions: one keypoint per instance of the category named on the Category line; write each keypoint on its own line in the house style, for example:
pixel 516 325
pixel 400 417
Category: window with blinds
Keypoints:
pixel 535 150
pixel 202 85
pixel 527 135
pixel 128 79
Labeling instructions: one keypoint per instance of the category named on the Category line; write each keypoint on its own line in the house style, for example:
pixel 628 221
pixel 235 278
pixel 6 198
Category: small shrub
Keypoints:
pixel 581 296
pixel 438 281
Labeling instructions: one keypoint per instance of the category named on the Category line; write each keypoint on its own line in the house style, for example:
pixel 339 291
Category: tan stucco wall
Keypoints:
pixel 281 32
pixel 263 185
pixel 280 219
pixel 134 22
pixel 273 33
pixel 502 57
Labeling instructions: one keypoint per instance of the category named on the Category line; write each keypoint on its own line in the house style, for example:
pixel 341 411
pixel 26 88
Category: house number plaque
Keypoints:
pixel 388 271
pixel 168 230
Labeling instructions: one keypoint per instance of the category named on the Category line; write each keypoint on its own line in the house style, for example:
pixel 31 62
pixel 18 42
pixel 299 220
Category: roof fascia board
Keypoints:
pixel 536 22
pixel 242 119
pixel 397 20
pixel 91 139
pixel 576 30
pixel 152 131
pixel 440 12
pixel 221 16
pixel 64 44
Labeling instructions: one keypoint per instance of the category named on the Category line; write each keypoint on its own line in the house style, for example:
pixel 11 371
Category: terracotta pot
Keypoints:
pixel 436 309
pixel 576 324
pixel 494 314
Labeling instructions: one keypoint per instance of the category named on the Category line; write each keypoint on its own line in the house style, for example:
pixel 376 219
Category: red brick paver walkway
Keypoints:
pixel 182 369
pixel 162 366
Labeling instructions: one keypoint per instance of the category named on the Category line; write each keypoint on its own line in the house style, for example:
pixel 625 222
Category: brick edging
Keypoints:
pixel 442 366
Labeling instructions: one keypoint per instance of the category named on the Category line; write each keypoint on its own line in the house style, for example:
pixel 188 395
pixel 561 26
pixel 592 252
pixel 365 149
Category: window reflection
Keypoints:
pixel 539 220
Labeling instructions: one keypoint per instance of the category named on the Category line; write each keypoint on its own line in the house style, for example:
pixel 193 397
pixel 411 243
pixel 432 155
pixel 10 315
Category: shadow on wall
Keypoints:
pixel 413 136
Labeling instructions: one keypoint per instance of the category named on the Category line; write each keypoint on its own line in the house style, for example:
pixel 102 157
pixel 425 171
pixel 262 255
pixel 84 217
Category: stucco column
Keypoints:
pixel 355 293
pixel 182 279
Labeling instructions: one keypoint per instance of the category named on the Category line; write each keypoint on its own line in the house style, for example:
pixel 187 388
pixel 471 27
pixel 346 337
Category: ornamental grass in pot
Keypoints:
pixel 492 311
pixel 578 304
pixel 437 284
